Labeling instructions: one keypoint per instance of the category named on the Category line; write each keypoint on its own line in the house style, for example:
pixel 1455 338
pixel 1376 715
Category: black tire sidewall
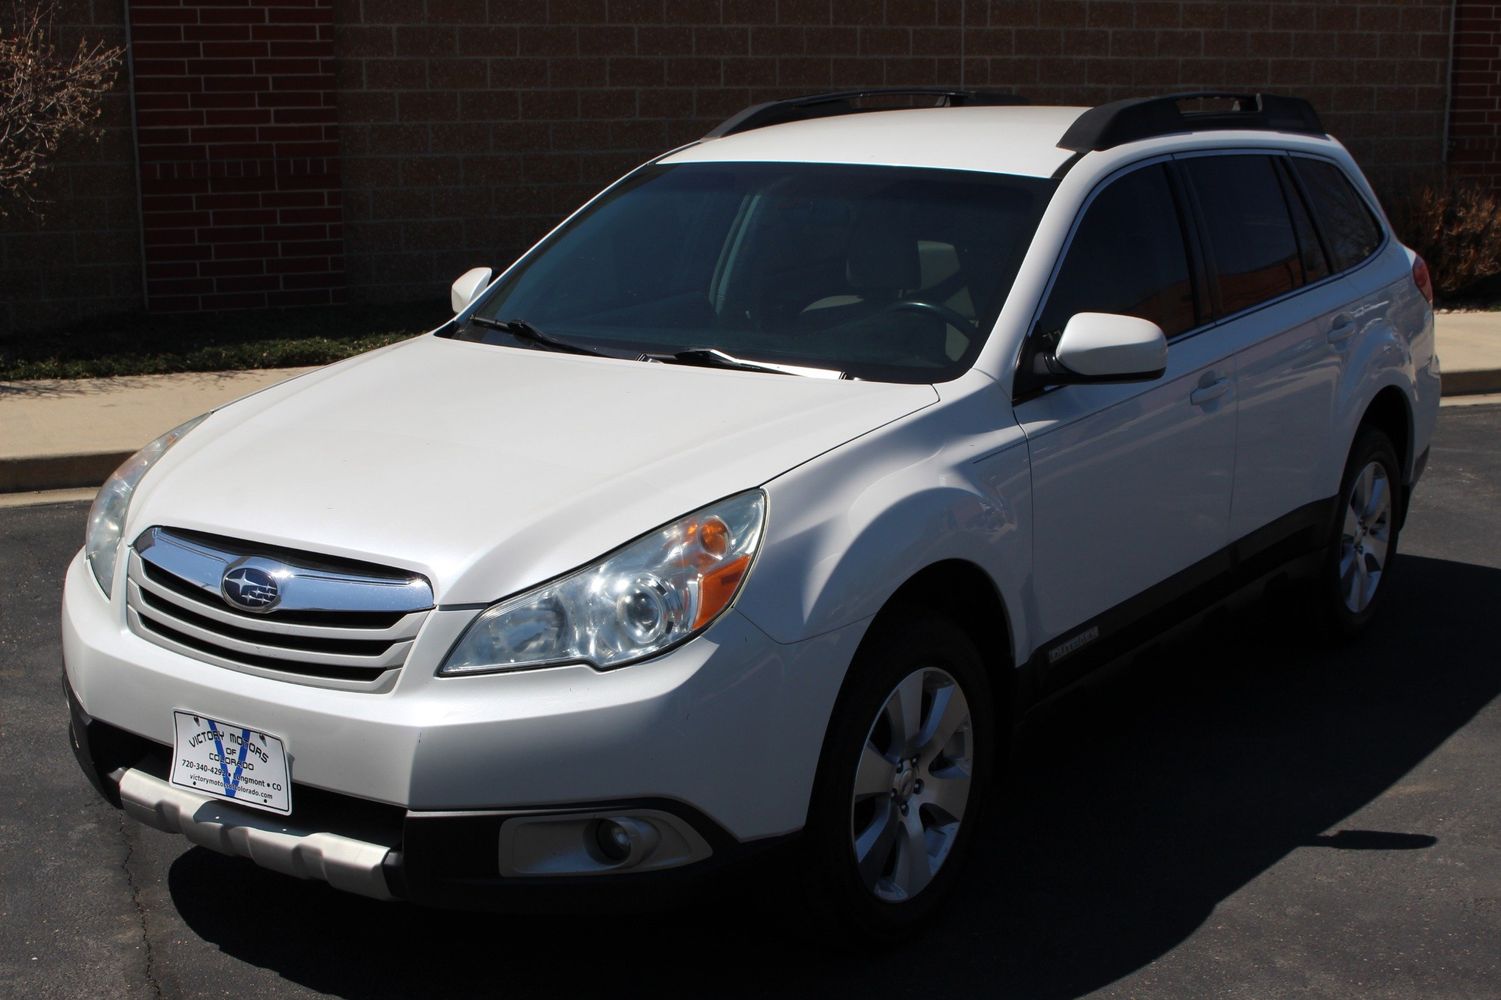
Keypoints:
pixel 837 897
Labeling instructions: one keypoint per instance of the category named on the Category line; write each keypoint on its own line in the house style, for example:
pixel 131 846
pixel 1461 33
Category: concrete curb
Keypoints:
pixel 58 472
pixel 1472 383
pixel 33 473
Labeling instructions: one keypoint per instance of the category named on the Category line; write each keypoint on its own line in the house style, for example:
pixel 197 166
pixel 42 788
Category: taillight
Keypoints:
pixel 1422 278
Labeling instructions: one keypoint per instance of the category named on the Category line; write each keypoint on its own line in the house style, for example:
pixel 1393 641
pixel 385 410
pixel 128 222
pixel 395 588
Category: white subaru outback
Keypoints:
pixel 754 503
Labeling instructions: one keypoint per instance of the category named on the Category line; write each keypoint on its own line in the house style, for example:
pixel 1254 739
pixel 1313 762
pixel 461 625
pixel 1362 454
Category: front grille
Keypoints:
pixel 344 619
pixel 335 623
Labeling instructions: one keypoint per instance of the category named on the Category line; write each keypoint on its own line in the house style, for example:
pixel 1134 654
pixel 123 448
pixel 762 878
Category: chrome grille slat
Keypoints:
pixel 334 677
pixel 201 560
pixel 405 628
pixel 345 619
pixel 392 656
pixel 334 623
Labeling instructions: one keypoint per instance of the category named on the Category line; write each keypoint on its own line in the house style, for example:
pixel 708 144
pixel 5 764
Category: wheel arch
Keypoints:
pixel 963 592
pixel 1391 413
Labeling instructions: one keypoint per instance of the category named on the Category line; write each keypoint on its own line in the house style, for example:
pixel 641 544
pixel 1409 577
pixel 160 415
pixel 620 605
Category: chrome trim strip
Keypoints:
pixel 405 628
pixel 270 841
pixel 303 586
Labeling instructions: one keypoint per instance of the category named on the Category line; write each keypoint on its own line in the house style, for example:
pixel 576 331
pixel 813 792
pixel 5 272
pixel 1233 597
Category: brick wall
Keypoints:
pixel 1475 121
pixel 461 130
pixel 82 257
pixel 239 164
pixel 470 127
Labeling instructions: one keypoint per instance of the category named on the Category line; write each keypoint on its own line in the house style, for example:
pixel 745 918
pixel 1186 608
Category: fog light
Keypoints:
pixel 597 843
pixel 613 840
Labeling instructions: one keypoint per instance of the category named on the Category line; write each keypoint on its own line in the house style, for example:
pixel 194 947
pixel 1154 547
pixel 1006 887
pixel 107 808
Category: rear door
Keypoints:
pixel 1289 322
pixel 1131 482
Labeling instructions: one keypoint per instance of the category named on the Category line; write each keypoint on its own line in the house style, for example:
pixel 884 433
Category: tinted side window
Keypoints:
pixel 1315 266
pixel 1251 241
pixel 1128 257
pixel 1350 230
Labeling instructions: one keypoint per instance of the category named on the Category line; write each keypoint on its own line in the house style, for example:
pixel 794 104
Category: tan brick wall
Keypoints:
pixel 469 127
pixel 83 258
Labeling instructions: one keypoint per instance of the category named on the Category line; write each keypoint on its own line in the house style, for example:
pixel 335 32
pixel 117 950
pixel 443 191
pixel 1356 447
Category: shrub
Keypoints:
pixel 1456 227
pixel 157 343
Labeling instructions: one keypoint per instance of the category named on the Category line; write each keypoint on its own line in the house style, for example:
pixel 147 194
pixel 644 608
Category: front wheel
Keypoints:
pixel 901 784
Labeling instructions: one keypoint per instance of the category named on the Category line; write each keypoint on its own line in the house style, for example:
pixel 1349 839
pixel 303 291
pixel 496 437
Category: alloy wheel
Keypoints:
pixel 1365 539
pixel 912 784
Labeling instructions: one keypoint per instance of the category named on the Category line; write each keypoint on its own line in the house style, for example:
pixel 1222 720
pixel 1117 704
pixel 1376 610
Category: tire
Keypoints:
pixel 1354 578
pixel 865 880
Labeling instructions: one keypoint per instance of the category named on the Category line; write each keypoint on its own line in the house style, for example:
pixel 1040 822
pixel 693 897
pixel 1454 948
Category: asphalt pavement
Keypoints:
pixel 1243 813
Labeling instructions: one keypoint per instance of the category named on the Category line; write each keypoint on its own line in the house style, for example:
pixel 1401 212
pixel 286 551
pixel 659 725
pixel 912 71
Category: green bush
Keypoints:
pixel 146 344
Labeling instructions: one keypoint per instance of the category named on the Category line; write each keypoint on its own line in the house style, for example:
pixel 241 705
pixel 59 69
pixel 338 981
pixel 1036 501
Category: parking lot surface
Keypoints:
pixel 1242 812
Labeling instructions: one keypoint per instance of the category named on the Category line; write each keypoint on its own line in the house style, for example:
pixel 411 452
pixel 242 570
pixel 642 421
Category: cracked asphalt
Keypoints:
pixel 1242 813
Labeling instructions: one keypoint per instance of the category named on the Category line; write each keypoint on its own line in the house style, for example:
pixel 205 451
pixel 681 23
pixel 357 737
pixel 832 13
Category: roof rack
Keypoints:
pixel 1120 122
pixel 796 109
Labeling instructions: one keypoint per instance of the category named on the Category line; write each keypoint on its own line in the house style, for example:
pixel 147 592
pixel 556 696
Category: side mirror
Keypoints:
pixel 1105 347
pixel 470 284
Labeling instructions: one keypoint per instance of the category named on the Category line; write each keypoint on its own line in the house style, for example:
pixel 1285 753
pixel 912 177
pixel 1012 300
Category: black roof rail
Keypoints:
pixel 796 109
pixel 1119 122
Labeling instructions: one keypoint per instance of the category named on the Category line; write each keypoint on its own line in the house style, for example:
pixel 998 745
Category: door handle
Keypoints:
pixel 1210 392
pixel 1343 328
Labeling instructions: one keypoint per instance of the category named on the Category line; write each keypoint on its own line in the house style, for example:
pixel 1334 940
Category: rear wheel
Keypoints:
pixel 1360 556
pixel 901 784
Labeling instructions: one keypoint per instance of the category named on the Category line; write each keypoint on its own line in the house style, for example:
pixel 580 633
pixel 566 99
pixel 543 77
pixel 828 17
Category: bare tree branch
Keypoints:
pixel 45 98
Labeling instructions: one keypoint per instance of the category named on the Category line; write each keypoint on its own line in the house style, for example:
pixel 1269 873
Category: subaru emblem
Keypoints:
pixel 250 589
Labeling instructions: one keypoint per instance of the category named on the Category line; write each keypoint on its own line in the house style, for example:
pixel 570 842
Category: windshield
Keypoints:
pixel 885 273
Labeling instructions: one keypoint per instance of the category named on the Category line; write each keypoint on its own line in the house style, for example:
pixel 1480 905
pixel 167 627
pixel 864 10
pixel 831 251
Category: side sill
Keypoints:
pixel 1069 658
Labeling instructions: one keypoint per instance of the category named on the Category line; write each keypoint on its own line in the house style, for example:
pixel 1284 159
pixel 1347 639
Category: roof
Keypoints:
pixel 1006 140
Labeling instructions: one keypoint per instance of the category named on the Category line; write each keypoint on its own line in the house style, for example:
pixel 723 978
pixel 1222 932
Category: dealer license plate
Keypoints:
pixel 232 762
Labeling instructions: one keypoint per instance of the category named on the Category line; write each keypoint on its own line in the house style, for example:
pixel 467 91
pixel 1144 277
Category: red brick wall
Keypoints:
pixel 461 130
pixel 82 257
pixel 470 127
pixel 1475 121
pixel 239 158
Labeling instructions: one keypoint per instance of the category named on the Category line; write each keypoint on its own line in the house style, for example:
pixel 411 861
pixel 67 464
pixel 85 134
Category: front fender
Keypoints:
pixel 847 530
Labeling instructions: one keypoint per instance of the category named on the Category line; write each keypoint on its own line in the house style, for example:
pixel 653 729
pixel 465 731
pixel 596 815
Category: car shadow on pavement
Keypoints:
pixel 1136 805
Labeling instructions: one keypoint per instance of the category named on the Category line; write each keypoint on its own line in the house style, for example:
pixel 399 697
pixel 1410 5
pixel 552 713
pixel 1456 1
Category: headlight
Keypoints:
pixel 635 602
pixel 101 544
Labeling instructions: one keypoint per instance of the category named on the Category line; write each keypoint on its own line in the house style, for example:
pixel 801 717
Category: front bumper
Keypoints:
pixel 381 852
pixel 723 732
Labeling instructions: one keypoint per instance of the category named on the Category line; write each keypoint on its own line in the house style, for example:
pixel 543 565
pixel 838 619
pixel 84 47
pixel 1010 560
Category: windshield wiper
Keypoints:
pixel 524 331
pixel 712 357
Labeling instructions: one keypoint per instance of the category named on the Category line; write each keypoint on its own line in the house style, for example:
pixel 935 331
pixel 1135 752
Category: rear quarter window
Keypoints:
pixel 1351 231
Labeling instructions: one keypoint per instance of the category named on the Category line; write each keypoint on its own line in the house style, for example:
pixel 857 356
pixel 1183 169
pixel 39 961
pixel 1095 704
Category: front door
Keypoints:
pixel 1131 483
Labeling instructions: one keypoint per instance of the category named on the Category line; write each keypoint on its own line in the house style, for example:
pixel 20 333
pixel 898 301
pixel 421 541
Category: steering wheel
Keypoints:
pixel 952 317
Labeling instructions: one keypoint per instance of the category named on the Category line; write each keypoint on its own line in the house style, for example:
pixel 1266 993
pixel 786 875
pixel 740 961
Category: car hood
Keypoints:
pixel 490 469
